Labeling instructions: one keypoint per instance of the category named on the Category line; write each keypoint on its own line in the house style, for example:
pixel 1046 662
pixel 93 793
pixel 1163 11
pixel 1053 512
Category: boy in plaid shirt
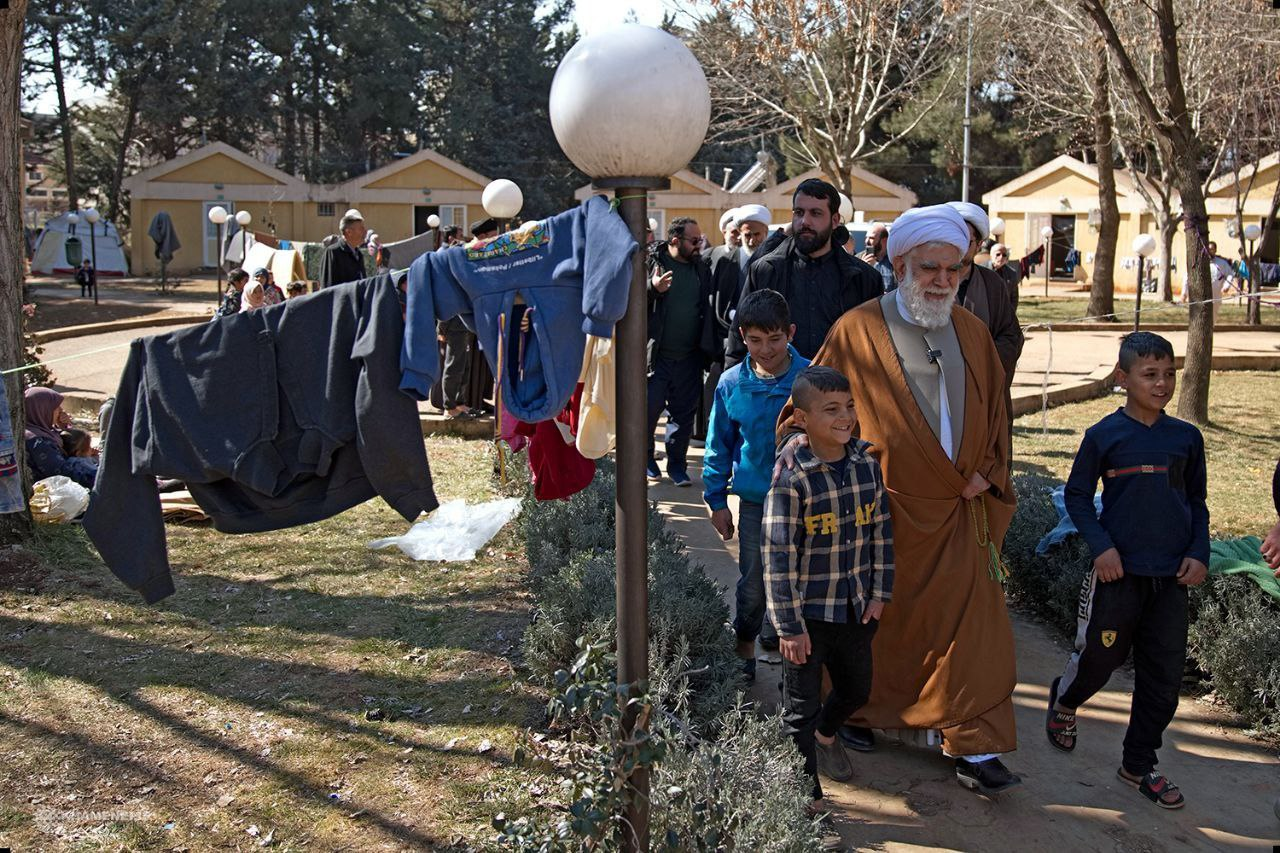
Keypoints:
pixel 828 571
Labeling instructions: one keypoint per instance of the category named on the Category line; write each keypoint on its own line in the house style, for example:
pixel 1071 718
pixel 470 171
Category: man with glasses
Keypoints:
pixel 1007 271
pixel 681 340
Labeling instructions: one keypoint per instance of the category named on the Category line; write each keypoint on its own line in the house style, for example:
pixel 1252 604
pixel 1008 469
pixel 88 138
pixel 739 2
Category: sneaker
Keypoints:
pixel 651 471
pixel 832 761
pixel 749 670
pixel 858 738
pixel 681 479
pixel 988 777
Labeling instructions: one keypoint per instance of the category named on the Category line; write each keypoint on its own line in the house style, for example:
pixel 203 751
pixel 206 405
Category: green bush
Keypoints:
pixel 687 617
pixel 554 531
pixel 1236 639
pixel 1048 586
pixel 745 790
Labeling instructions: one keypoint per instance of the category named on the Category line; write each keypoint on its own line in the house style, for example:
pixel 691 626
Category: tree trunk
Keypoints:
pixel 126 137
pixel 14 526
pixel 1193 402
pixel 1168 229
pixel 64 116
pixel 1102 287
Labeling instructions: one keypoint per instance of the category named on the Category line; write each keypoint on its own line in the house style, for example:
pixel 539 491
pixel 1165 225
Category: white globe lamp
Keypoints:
pixel 631 101
pixel 997 227
pixel 244 217
pixel 653 224
pixel 433 221
pixel 218 215
pixel 91 215
pixel 1233 229
pixel 1252 231
pixel 73 218
pixel 1046 232
pixel 502 199
pixel 1144 245
pixel 846 208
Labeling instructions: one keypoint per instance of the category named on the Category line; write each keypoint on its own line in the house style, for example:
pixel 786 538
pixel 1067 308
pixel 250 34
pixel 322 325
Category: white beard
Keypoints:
pixel 927 312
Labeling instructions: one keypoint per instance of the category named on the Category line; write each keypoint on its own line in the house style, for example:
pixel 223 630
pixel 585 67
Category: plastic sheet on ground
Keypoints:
pixel 58 499
pixel 455 531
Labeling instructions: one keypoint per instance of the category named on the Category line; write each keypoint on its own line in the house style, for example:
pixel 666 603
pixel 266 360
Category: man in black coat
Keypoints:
pixel 342 261
pixel 817 277
pixel 681 340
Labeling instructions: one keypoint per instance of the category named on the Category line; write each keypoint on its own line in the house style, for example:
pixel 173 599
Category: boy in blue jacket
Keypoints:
pixel 1149 545
pixel 740 451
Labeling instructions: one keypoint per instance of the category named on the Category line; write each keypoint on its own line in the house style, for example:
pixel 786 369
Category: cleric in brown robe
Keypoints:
pixel 930 396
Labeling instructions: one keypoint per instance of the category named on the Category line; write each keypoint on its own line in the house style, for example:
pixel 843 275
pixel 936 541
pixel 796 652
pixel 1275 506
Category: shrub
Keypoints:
pixel 1236 639
pixel 556 530
pixel 687 617
pixel 745 790
pixel 1049 586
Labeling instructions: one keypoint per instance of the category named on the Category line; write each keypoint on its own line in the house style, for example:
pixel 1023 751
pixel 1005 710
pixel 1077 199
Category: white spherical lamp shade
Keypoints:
pixel 244 217
pixel 73 218
pixel 997 227
pixel 653 224
pixel 218 215
pixel 502 199
pixel 433 221
pixel 846 208
pixel 1046 232
pixel 630 102
pixel 91 215
pixel 1252 231
pixel 1144 245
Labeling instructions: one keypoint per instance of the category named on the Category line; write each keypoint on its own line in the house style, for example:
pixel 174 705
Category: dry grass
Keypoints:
pixel 1242 444
pixel 296 685
pixel 1065 309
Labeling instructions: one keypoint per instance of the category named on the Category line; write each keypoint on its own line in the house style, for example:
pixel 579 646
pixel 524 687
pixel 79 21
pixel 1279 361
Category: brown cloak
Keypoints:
pixel 944 649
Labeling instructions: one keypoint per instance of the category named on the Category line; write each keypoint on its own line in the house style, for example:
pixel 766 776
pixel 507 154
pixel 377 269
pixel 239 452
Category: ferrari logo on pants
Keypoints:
pixel 1108 638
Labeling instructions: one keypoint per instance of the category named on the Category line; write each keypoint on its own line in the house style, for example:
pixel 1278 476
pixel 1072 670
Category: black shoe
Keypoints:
pixel 989 777
pixel 833 762
pixel 858 739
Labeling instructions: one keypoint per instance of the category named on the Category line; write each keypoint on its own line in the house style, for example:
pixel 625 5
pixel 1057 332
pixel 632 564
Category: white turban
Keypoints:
pixel 727 218
pixel 938 223
pixel 975 216
pixel 752 213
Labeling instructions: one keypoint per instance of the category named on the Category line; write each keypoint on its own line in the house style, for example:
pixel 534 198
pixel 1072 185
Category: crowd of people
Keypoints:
pixel 862 416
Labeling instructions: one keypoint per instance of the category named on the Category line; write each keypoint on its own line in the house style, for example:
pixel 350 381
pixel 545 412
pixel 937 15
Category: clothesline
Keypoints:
pixel 36 364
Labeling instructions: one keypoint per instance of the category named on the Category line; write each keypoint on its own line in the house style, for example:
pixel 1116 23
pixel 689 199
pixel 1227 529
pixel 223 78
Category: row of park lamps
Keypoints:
pixel 219 216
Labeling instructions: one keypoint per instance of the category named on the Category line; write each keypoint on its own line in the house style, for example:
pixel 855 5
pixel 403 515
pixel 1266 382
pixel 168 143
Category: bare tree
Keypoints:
pixel 1163 104
pixel 822 74
pixel 1058 66
pixel 11 255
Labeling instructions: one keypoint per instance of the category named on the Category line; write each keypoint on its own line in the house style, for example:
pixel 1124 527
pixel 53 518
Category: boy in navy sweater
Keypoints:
pixel 1150 543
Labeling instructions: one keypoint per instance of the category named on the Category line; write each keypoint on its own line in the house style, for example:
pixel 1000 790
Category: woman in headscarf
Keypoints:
pixel 45 453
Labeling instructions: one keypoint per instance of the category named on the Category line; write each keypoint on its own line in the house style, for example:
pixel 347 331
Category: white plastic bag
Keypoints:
pixel 58 499
pixel 455 531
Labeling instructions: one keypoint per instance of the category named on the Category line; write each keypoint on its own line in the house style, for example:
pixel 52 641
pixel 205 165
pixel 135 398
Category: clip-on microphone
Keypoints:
pixel 932 354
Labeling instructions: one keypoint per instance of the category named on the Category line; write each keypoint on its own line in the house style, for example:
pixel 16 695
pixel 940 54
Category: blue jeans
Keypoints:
pixel 675 385
pixel 750 621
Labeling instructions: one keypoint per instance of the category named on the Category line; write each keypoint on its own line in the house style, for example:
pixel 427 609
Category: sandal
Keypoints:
pixel 1155 788
pixel 1059 725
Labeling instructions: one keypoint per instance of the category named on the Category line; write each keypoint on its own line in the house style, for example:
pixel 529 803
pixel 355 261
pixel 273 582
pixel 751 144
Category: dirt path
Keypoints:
pixel 906 797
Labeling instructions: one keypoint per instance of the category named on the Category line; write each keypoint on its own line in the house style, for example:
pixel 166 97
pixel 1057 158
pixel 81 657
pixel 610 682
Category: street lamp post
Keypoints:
pixel 1252 232
pixel 218 216
pixel 243 218
pixel 433 222
pixel 91 216
pixel 1047 233
pixel 1143 246
pixel 502 200
pixel 629 107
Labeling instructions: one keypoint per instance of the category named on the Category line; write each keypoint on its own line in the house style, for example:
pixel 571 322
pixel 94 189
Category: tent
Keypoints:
pixel 285 264
pixel 59 251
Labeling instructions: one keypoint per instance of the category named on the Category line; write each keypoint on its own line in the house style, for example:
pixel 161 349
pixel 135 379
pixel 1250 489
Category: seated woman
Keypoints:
pixel 45 452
